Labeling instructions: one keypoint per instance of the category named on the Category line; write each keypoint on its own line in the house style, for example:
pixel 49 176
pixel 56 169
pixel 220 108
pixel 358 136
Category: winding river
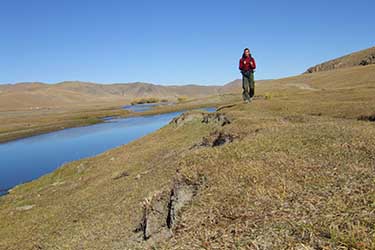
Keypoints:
pixel 26 159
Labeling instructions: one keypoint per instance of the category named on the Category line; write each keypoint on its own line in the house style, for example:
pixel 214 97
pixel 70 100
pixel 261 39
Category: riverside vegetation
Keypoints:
pixel 292 170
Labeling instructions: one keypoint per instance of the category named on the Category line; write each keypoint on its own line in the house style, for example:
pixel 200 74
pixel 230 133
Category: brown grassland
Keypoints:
pixel 299 174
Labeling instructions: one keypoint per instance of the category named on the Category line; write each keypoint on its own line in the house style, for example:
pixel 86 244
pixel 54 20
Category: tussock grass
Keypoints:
pixel 286 186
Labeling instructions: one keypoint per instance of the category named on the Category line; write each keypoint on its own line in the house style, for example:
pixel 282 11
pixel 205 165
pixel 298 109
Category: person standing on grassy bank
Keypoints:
pixel 247 67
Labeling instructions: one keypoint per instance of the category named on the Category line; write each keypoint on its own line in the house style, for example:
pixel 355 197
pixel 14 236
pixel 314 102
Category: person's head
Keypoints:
pixel 246 52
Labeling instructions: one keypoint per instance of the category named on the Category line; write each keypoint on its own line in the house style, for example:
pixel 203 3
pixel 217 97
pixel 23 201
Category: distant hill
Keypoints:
pixel 360 58
pixel 31 95
pixel 137 89
pixel 39 95
pixel 233 86
pixel 35 95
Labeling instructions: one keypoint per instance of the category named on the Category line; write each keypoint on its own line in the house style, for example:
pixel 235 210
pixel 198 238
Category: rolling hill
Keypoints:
pixel 41 95
pixel 24 96
pixel 357 59
pixel 360 58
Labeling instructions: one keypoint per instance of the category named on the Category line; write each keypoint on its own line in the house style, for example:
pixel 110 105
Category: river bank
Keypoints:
pixel 44 153
pixel 21 124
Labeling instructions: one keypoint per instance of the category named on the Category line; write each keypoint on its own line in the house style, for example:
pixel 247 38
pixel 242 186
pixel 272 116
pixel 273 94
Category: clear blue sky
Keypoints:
pixel 174 42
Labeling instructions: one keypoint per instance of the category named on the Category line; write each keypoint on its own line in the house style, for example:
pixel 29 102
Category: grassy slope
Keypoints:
pixel 366 56
pixel 299 176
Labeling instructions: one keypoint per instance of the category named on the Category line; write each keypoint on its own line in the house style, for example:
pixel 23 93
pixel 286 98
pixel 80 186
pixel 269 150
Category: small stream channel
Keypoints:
pixel 26 159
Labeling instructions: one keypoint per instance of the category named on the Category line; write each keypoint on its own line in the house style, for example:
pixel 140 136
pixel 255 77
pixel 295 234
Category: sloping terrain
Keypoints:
pixel 32 96
pixel 292 170
pixel 360 58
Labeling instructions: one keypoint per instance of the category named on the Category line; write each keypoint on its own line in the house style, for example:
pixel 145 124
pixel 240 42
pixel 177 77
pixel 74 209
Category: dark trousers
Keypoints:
pixel 248 86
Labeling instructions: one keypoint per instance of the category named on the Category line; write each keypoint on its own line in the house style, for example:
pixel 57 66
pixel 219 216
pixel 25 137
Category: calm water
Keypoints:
pixel 27 159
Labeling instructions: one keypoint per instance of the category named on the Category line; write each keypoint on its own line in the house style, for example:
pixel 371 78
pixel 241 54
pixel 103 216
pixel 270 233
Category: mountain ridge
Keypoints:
pixel 24 95
pixel 358 58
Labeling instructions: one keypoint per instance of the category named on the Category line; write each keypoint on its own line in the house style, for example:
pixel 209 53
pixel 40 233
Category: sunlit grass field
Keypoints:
pixel 299 174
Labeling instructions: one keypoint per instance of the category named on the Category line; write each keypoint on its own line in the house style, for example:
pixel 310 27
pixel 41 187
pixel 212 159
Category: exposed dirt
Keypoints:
pixel 218 118
pixel 215 139
pixel 161 210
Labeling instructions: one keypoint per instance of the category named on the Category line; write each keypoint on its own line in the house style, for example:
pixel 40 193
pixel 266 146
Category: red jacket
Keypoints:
pixel 247 63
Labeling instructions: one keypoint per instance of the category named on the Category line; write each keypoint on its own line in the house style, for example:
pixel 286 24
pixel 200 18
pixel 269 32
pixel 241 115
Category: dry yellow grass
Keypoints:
pixel 363 57
pixel 299 174
pixel 35 96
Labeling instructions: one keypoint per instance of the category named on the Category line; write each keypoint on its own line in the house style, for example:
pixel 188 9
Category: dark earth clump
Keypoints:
pixel 370 118
pixel 370 59
pixel 217 118
pixel 122 175
pixel 215 139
